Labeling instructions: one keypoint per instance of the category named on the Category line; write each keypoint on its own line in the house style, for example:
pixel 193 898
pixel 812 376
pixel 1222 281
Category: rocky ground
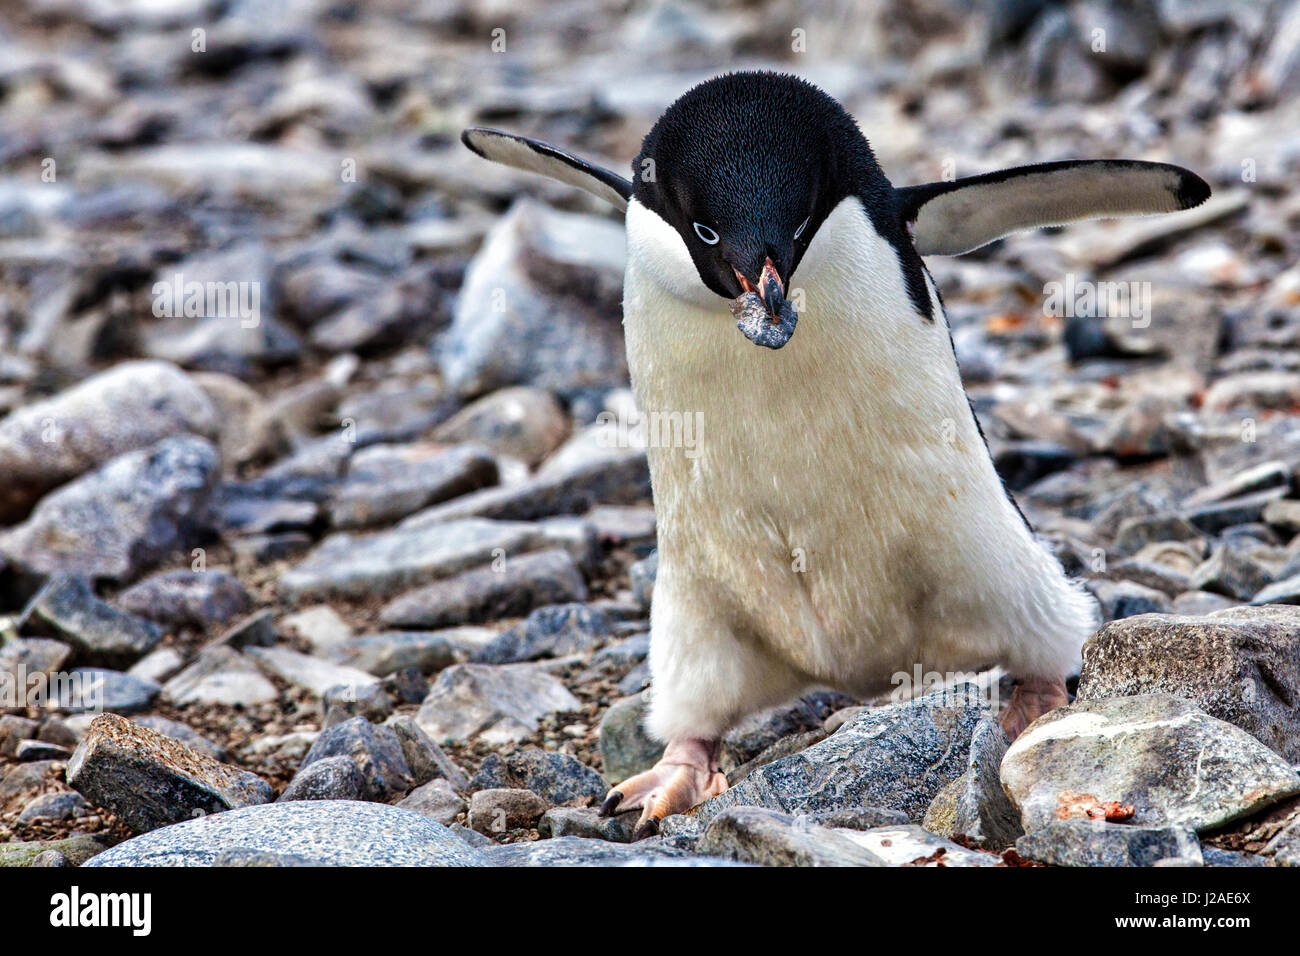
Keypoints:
pixel 356 574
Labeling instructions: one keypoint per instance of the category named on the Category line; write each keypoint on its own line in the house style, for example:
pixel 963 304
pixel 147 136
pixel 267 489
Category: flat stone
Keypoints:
pixel 522 423
pixel 1098 843
pixel 555 631
pixel 100 634
pixel 25 666
pixel 75 849
pixel 184 598
pixel 149 780
pixel 387 482
pixel 627 748
pixel 158 665
pixel 345 701
pixel 254 630
pixel 498 810
pixel 913 846
pixel 435 800
pixel 56 807
pixel 1241 665
pixel 41 750
pixel 325 832
pixel 588 823
pixel 313 674
pixel 122 518
pixel 184 733
pixel 896 757
pixel 381 654
pixel 95 689
pixel 375 749
pixel 349 565
pixel 577 851
pixel 497 704
pixel 558 778
pixel 1121 599
pixel 768 838
pixel 129 407
pixel 1172 762
pixel 425 758
pixel 220 675
pixel 320 626
pixel 511 587
pixel 1235 571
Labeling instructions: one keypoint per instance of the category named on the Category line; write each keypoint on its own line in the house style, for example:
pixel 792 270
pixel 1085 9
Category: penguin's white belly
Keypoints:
pixel 837 509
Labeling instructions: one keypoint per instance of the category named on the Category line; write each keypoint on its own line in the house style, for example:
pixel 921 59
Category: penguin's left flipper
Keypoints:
pixel 950 218
pixel 534 156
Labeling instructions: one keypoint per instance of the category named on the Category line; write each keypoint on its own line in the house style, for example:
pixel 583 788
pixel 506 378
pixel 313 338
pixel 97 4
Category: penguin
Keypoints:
pixel 839 519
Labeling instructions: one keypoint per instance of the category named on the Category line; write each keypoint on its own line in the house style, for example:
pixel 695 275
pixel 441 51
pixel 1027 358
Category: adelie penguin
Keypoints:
pixel 840 519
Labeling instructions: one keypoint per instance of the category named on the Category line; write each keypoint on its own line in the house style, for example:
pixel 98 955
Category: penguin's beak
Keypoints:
pixel 770 288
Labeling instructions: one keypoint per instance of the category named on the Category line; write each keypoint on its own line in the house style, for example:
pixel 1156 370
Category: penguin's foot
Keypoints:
pixel 1033 697
pixel 685 776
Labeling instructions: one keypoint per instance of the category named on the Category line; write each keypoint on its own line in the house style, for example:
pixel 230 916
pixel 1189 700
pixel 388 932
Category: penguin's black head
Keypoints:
pixel 746 167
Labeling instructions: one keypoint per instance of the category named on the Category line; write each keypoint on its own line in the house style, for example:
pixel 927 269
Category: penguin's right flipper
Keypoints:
pixel 950 218
pixel 534 156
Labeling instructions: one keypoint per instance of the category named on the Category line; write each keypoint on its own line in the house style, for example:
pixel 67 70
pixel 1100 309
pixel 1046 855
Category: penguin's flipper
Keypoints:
pixel 534 156
pixel 950 218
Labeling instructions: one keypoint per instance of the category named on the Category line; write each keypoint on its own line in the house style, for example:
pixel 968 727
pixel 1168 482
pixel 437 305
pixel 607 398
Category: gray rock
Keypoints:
pixel 526 424
pixel 577 851
pixel 498 810
pixel 376 750
pixel 496 704
pixel 23 658
pixel 1121 599
pixel 55 807
pixel 131 406
pixel 14 729
pixel 588 823
pixel 1172 762
pixel 345 701
pixel 321 627
pixel 1098 843
pixel 559 778
pixel 28 750
pixel 1235 571
pixel 350 565
pixel 330 778
pixel 326 832
pixel 310 673
pixel 255 630
pixel 485 594
pixel 626 747
pixel 220 675
pixel 768 838
pixel 762 730
pixel 519 319
pixel 1284 848
pixel 641 575
pixel 186 598
pixel 50 858
pixel 617 476
pixel 122 518
pixel 859 818
pixel 1241 665
pixel 241 856
pixel 425 758
pixel 148 780
pixel 384 653
pixel 435 800
pixel 76 850
pixel 387 482
pixel 975 805
pixel 1196 603
pixel 93 689
pixel 555 631
pixel 101 635
pixel 896 758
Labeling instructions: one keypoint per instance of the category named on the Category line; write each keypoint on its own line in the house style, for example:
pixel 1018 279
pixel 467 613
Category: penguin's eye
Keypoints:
pixel 802 226
pixel 706 234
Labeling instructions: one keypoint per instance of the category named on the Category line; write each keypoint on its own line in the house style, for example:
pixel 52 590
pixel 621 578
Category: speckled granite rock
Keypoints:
pixel 149 780
pixel 324 832
pixel 1097 843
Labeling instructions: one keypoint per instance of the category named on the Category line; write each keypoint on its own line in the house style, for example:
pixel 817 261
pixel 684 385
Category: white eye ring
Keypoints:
pixel 706 234
pixel 802 226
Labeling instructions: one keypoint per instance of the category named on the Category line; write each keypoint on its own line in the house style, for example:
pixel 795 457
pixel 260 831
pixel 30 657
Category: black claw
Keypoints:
pixel 647 829
pixel 611 803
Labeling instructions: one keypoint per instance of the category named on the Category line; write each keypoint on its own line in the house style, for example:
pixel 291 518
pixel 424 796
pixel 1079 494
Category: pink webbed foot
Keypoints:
pixel 686 776
pixel 1033 697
